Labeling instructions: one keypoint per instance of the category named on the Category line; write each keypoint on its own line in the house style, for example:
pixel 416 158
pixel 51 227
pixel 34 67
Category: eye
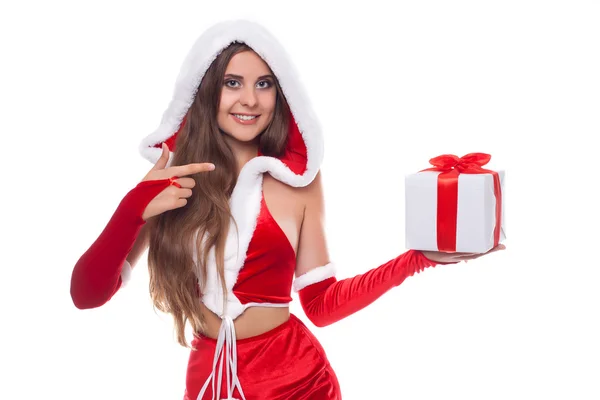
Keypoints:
pixel 268 84
pixel 227 83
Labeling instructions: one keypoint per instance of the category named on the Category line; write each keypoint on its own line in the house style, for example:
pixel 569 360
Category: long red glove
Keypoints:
pixel 326 300
pixel 96 276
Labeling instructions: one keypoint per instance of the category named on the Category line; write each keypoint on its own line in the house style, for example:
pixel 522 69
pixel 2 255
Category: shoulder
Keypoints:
pixel 312 194
pixel 305 197
pixel 310 191
pixel 314 187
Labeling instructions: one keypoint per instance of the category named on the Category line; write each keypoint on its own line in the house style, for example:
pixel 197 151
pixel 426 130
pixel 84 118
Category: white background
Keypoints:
pixel 82 83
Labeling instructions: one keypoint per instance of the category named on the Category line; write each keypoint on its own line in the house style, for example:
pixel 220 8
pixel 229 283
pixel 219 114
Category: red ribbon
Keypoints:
pixel 447 195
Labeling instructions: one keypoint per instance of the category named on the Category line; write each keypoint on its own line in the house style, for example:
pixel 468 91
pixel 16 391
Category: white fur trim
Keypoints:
pixel 126 273
pixel 315 275
pixel 245 200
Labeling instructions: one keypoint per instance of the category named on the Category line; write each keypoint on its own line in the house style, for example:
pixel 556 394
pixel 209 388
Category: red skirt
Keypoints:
pixel 285 363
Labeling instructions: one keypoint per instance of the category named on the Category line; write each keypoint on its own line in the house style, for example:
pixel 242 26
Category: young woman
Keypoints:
pixel 230 213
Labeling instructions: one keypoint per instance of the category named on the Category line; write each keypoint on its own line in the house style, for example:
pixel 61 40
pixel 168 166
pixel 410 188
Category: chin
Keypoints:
pixel 240 135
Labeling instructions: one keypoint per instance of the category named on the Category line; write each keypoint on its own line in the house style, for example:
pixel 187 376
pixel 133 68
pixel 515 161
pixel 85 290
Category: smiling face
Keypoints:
pixel 248 97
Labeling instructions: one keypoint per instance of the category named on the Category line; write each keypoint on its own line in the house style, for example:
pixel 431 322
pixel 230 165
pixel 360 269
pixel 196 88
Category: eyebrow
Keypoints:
pixel 242 78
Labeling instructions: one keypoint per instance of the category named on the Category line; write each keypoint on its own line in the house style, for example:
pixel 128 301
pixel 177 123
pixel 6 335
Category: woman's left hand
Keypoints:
pixel 444 258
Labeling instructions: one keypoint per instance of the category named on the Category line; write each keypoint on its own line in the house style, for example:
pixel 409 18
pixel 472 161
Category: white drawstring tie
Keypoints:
pixel 227 336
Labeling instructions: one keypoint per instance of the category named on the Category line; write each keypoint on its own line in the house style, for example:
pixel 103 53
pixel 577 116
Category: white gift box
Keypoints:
pixel 476 211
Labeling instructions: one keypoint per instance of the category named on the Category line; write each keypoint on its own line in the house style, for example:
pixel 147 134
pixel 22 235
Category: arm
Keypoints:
pixel 326 300
pixel 105 266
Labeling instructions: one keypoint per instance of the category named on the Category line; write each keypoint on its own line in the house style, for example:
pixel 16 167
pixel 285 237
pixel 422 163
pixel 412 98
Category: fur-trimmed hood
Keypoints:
pixel 297 167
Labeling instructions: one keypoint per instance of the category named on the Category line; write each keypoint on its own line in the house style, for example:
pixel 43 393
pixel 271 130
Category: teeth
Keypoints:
pixel 244 117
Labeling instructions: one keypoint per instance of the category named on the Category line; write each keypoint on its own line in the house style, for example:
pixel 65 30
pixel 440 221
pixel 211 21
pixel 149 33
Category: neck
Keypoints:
pixel 243 151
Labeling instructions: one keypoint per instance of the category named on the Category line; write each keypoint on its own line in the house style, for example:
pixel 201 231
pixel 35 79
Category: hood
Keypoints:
pixel 304 152
pixel 297 167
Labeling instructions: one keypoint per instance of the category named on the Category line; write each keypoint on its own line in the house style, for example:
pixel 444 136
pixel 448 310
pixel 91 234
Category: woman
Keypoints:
pixel 225 240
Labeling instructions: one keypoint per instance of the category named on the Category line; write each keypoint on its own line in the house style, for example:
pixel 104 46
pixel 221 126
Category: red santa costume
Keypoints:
pixel 286 362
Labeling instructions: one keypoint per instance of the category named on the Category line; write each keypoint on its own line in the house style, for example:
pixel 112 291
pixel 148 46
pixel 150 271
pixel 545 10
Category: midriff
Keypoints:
pixel 252 322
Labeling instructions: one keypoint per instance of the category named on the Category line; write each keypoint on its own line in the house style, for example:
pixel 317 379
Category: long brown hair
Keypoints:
pixel 173 273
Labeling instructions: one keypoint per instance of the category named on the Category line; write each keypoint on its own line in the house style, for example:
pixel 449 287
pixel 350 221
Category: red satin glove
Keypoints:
pixel 328 300
pixel 97 275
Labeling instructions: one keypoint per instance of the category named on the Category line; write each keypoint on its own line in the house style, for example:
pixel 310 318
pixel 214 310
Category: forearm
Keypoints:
pixel 329 300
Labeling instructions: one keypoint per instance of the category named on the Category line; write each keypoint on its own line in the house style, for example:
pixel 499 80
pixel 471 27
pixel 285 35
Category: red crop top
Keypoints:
pixel 268 270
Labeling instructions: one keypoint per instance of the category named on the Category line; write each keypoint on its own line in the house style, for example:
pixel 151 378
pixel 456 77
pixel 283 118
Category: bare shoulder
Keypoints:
pixel 312 194
pixel 300 197
pixel 282 191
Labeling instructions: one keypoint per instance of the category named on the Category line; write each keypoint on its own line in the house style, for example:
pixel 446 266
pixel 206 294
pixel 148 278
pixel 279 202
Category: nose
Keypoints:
pixel 248 97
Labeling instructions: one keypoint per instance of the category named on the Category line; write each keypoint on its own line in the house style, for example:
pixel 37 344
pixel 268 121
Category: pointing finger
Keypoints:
pixel 183 170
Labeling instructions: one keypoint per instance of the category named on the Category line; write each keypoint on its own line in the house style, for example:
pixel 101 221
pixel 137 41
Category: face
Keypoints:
pixel 247 97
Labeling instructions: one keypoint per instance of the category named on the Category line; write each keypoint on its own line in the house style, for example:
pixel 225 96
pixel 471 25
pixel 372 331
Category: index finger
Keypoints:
pixel 183 170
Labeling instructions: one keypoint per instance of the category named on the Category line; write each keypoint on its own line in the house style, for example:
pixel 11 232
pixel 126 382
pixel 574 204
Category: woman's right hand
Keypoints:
pixel 172 197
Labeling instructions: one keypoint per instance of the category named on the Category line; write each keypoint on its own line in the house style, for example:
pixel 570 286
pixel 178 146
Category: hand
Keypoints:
pixel 443 257
pixel 172 197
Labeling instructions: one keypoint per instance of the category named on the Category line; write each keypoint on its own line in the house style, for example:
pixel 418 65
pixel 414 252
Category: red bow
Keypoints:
pixel 450 167
pixel 447 162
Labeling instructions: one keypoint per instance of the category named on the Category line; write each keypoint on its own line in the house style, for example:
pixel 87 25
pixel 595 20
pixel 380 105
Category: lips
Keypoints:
pixel 244 122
